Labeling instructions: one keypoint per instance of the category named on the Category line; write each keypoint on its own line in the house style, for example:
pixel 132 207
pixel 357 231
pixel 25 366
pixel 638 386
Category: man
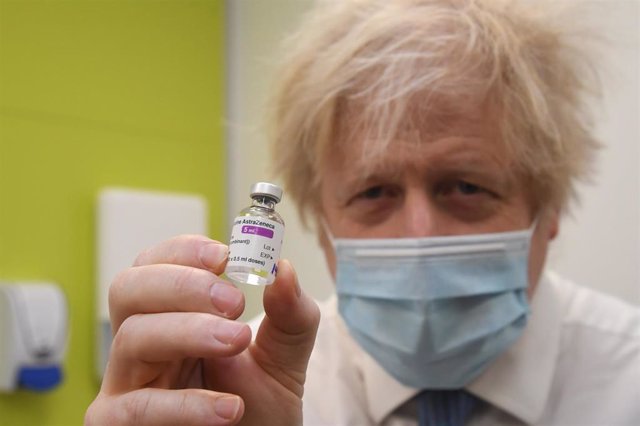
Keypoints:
pixel 435 144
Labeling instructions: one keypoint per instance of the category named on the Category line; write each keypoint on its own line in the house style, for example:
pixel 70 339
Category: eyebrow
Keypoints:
pixel 463 162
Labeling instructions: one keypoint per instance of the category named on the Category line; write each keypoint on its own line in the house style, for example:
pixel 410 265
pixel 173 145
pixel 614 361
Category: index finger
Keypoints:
pixel 187 250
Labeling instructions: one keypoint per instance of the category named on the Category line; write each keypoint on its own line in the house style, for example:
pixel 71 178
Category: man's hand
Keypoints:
pixel 178 355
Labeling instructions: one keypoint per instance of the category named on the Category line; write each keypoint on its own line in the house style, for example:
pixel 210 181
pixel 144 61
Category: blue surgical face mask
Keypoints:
pixel 434 312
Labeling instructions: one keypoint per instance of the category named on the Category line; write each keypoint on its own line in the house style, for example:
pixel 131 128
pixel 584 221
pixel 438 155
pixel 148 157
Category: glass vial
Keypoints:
pixel 256 238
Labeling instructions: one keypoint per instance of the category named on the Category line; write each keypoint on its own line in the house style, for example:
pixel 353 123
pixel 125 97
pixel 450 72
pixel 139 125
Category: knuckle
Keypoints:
pixel 173 256
pixel 125 335
pixel 117 287
pixel 192 238
pixel 183 406
pixel 193 283
pixel 184 281
pixel 90 416
pixel 141 258
pixel 201 324
pixel 179 245
pixel 136 408
pixel 185 238
pixel 98 415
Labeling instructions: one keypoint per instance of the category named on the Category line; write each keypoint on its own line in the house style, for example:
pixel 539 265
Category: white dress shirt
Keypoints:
pixel 577 363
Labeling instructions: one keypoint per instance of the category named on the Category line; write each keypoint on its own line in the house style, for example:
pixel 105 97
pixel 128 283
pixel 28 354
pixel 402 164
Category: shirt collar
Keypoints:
pixel 520 379
pixel 517 382
pixel 382 393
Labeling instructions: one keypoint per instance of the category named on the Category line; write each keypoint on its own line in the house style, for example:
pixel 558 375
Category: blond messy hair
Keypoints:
pixel 386 55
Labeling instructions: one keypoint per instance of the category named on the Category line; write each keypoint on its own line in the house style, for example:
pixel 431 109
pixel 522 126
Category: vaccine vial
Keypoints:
pixel 256 238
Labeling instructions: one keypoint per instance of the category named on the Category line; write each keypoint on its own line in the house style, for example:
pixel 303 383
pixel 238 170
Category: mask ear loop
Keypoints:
pixel 534 224
pixel 327 231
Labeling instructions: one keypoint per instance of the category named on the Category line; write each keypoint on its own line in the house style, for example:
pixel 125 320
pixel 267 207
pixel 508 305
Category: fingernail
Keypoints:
pixel 212 255
pixel 295 277
pixel 227 407
pixel 225 297
pixel 298 289
pixel 227 331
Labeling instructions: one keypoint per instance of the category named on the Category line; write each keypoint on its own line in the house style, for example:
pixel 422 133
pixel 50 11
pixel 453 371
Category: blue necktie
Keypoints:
pixel 445 407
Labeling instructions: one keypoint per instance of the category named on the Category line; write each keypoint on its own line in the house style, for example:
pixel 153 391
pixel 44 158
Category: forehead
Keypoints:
pixel 425 138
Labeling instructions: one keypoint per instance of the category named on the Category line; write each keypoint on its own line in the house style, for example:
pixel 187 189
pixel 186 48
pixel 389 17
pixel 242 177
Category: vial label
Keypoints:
pixel 255 244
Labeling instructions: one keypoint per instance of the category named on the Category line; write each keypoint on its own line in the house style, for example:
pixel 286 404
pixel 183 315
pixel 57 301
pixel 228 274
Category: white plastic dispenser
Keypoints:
pixel 33 335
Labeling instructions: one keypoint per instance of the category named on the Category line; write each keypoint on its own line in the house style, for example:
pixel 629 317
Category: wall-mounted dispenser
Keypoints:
pixel 33 335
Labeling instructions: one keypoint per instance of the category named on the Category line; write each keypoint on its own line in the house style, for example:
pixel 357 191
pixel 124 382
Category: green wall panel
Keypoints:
pixel 94 94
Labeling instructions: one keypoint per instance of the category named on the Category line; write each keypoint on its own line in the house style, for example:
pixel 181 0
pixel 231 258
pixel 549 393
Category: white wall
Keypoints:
pixel 599 244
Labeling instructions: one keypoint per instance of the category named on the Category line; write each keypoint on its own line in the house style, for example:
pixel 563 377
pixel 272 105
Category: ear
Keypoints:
pixel 553 223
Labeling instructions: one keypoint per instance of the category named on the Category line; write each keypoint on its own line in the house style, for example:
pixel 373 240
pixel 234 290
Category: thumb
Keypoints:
pixel 288 331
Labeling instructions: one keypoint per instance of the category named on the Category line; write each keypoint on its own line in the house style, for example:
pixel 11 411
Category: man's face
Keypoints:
pixel 451 178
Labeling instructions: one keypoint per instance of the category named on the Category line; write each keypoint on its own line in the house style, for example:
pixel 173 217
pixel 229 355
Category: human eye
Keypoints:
pixel 372 193
pixel 467 189
pixel 376 192
pixel 373 203
pixel 466 199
